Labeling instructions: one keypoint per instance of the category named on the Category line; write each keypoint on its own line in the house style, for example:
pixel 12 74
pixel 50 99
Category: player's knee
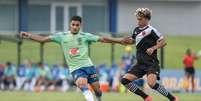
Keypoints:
pixel 151 84
pixel 81 83
pixel 151 80
pixel 82 86
pixel 125 81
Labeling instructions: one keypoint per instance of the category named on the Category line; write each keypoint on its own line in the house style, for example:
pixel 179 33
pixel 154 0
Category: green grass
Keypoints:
pixel 77 96
pixel 101 53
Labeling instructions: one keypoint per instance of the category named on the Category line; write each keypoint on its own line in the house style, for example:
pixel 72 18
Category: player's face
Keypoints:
pixel 142 22
pixel 75 26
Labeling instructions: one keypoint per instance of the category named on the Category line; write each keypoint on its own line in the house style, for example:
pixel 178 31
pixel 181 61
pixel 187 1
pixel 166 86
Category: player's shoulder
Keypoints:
pixel 62 33
pixel 85 34
pixel 136 28
pixel 152 28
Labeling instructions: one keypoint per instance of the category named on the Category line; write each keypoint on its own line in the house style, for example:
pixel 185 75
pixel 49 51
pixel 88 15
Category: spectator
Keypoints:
pixel 9 76
pixel 55 80
pixel 1 76
pixel 114 75
pixel 30 76
pixel 189 69
pixel 21 76
pixel 41 74
pixel 66 78
pixel 129 58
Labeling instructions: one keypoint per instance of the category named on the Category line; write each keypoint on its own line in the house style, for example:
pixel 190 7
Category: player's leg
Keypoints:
pixel 151 79
pixel 187 76
pixel 192 79
pixel 81 82
pixel 97 91
pixel 93 80
pixel 134 74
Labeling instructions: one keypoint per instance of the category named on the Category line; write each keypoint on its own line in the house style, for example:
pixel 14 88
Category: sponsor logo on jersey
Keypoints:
pixel 74 51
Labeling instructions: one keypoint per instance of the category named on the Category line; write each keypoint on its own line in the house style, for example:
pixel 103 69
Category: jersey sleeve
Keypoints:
pixel 91 37
pixel 157 34
pixel 56 38
pixel 134 34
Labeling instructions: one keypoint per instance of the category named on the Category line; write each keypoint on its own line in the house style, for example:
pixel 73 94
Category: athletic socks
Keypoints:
pixel 163 91
pixel 133 88
pixel 87 94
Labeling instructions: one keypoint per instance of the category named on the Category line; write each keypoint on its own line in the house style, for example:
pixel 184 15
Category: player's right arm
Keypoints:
pixel 38 38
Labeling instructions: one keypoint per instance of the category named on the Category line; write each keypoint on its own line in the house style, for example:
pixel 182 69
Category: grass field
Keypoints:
pixel 77 96
pixel 100 53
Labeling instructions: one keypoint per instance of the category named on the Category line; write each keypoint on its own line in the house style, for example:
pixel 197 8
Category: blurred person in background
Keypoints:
pixel 55 81
pixel 114 75
pixel 30 81
pixel 103 72
pixel 21 76
pixel 128 58
pixel 9 76
pixel 41 74
pixel 189 69
pixel 66 78
pixel 1 76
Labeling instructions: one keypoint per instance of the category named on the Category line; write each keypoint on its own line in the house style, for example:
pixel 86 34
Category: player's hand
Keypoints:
pixel 25 35
pixel 150 51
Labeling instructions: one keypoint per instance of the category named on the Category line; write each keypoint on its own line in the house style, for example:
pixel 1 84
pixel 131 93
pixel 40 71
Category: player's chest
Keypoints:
pixel 73 41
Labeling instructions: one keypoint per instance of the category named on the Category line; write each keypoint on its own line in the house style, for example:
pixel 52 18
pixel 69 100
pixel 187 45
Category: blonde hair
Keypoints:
pixel 143 12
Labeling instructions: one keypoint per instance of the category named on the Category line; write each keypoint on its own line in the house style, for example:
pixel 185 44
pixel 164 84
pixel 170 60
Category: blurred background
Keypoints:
pixel 27 66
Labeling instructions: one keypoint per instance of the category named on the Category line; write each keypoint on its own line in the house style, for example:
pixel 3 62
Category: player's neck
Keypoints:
pixel 144 26
pixel 74 33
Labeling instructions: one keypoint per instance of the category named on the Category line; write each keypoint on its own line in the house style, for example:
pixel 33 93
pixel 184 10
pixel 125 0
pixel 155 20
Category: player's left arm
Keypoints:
pixel 161 42
pixel 110 40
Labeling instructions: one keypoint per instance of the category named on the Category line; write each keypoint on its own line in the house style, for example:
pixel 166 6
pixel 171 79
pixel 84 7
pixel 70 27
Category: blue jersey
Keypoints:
pixel 55 72
pixel 30 73
pixel 21 71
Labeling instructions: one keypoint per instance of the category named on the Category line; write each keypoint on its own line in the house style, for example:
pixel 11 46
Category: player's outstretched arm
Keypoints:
pixel 38 38
pixel 123 41
pixel 110 40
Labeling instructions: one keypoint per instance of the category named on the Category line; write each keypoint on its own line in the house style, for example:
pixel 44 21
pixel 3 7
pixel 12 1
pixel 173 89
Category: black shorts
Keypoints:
pixel 190 71
pixel 140 70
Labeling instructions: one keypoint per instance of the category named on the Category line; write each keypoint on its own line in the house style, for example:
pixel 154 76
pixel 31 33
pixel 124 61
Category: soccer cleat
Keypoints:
pixel 149 98
pixel 176 98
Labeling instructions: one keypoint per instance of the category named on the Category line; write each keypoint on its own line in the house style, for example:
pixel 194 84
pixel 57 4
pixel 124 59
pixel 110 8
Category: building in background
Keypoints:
pixel 48 16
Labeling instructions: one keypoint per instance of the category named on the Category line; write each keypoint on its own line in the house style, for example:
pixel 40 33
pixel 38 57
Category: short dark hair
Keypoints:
pixel 76 18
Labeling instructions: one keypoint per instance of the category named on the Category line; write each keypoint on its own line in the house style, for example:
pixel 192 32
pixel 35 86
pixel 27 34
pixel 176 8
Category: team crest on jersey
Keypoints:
pixel 74 51
pixel 143 33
